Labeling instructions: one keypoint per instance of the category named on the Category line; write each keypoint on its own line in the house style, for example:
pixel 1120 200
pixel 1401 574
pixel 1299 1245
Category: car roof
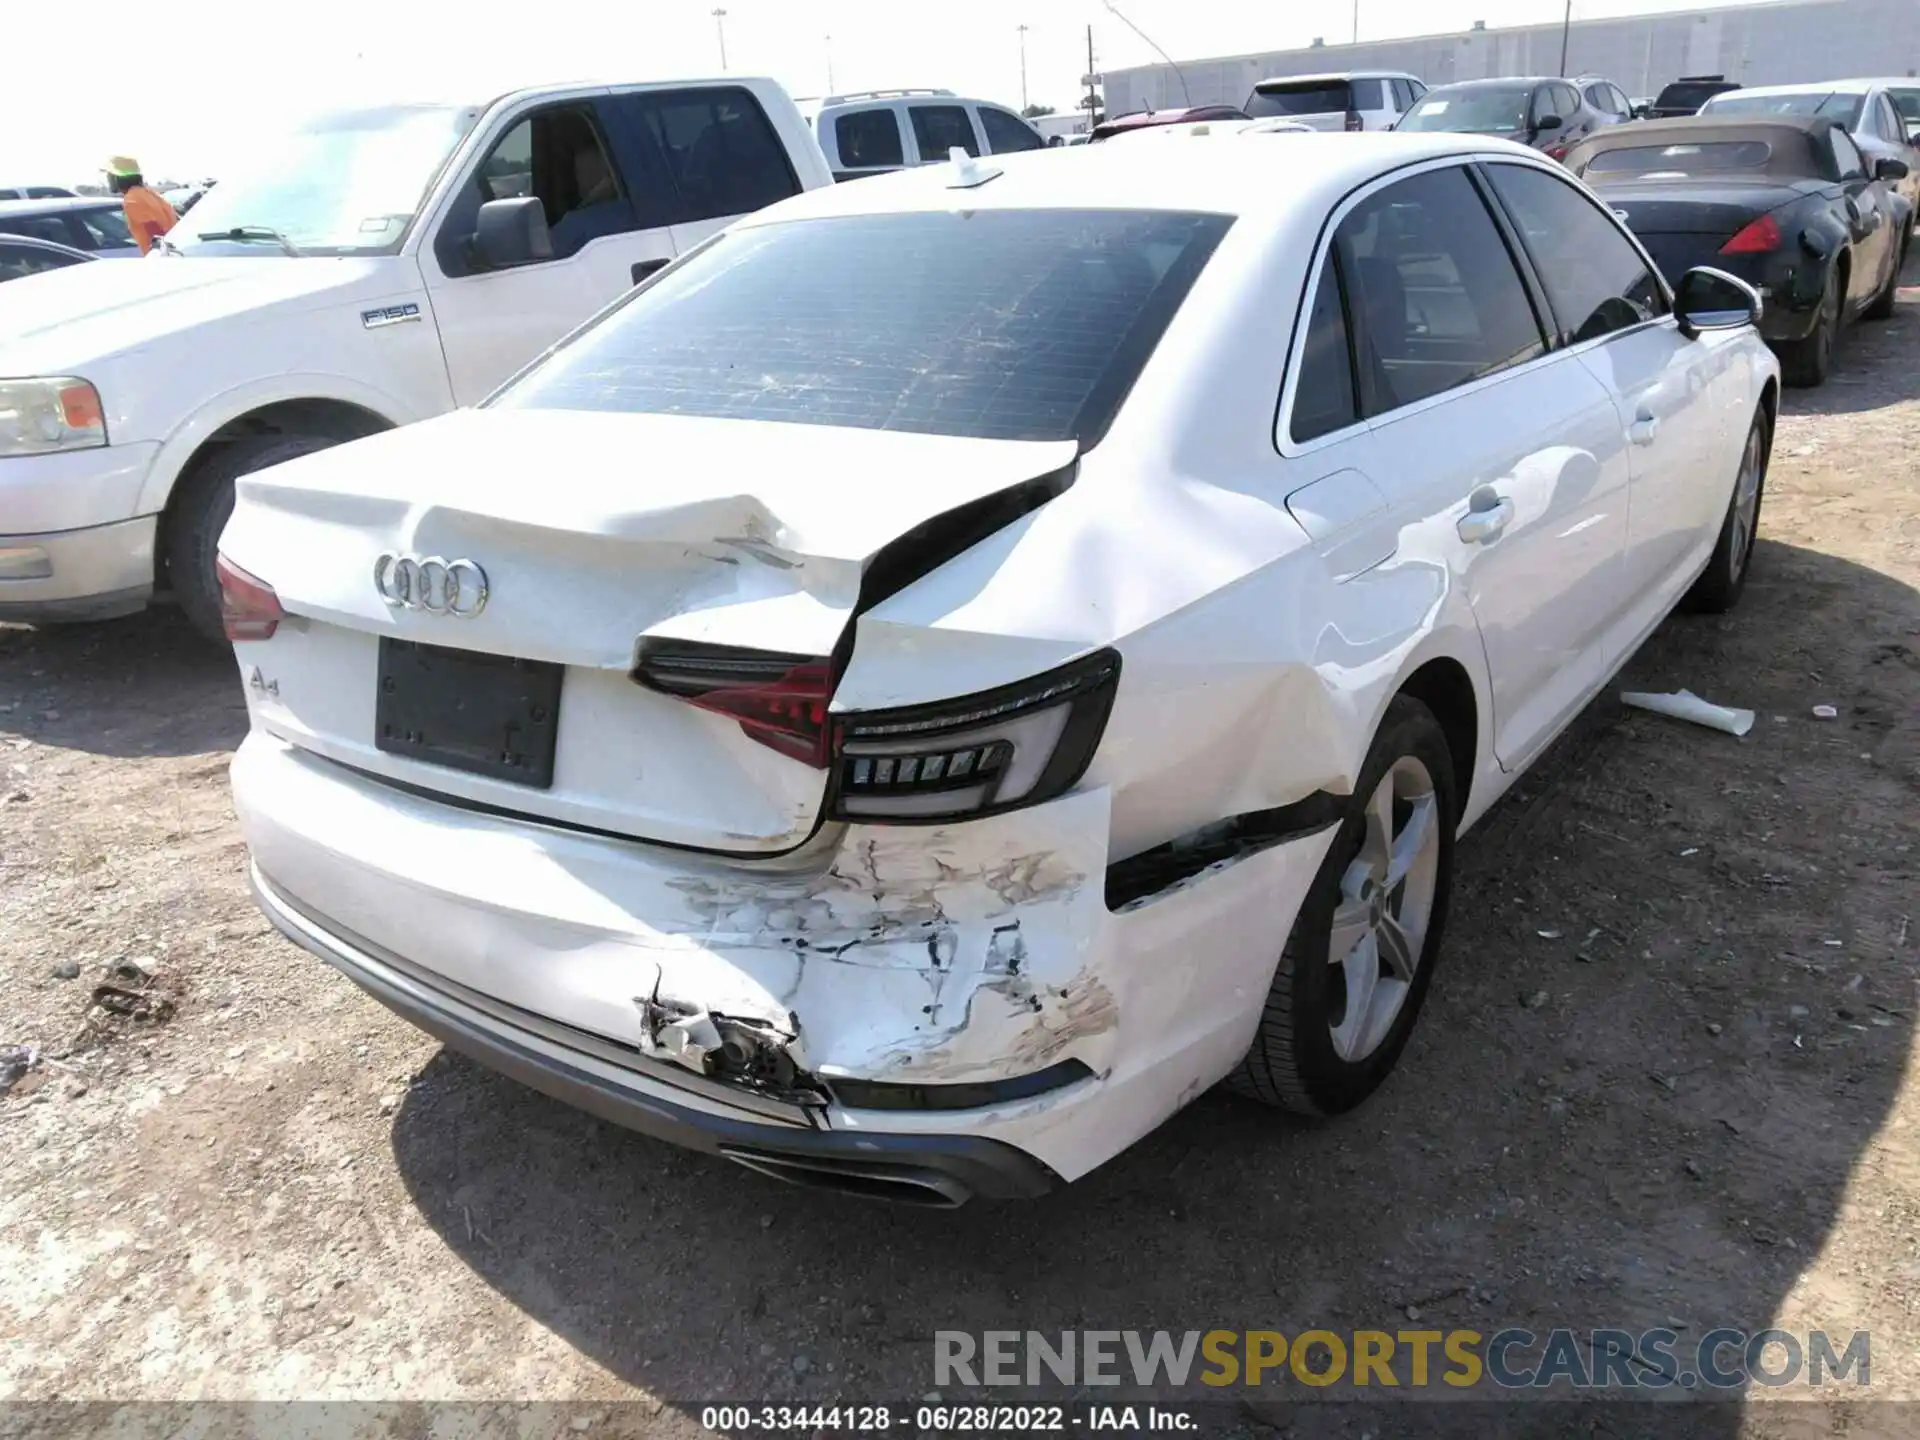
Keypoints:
pixel 1273 178
pixel 57 204
pixel 1493 80
pixel 1824 87
pixel 1790 139
pixel 1330 77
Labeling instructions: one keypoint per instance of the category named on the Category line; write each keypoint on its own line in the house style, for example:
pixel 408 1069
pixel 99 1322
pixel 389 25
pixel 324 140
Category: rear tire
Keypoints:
pixel 199 513
pixel 1296 1060
pixel 1718 588
pixel 1883 303
pixel 1807 362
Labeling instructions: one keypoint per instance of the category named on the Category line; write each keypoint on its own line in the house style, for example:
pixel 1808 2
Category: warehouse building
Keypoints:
pixel 1759 44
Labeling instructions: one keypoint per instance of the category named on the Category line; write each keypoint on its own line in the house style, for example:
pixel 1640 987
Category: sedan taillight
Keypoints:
pixel 1016 745
pixel 1355 120
pixel 779 700
pixel 249 610
pixel 1756 238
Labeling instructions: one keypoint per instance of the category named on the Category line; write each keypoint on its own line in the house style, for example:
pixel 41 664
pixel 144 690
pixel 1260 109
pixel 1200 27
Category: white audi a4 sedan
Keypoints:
pixel 962 663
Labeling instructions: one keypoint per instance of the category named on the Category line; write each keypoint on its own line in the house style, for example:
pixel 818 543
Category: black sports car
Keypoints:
pixel 1786 203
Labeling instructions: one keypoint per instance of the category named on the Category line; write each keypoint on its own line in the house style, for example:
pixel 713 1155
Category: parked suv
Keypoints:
pixel 1686 95
pixel 874 131
pixel 1351 100
pixel 390 264
pixel 1547 113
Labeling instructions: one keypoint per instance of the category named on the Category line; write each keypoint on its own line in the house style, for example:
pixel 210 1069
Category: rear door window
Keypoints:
pixel 1367 95
pixel 1324 397
pixel 1308 97
pixel 1009 324
pixel 1433 290
pixel 869 140
pixel 1595 279
pixel 1008 133
pixel 938 128
pixel 106 226
pixel 720 150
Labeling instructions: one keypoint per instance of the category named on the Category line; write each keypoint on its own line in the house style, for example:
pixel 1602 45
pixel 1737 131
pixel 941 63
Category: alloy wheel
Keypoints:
pixel 1746 503
pixel 1379 929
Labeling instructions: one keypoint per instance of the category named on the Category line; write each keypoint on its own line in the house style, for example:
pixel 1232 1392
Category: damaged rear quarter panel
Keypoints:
pixel 943 954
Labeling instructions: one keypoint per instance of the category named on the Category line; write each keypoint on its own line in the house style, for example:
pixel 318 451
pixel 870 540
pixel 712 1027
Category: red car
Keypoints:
pixel 1142 119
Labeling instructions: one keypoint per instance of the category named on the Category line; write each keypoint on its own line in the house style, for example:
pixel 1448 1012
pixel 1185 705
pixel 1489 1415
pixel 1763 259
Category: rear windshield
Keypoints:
pixel 1313 97
pixel 1681 160
pixel 1690 93
pixel 1484 107
pixel 1004 324
pixel 1844 108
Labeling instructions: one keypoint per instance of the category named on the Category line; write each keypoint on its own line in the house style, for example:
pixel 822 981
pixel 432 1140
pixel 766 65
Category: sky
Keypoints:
pixel 192 87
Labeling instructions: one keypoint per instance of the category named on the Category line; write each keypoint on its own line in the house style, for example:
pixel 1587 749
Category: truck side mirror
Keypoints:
pixel 511 232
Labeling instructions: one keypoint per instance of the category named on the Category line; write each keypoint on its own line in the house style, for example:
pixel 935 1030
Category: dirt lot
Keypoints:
pixel 1662 1077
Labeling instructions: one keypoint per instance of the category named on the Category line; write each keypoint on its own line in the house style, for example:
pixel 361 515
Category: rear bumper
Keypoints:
pixel 935 1169
pixel 979 955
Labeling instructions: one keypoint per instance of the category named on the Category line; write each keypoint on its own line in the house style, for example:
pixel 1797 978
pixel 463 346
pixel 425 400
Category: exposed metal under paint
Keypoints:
pixel 1142 878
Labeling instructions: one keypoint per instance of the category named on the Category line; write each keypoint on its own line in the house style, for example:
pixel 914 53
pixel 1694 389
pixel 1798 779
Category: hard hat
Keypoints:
pixel 123 165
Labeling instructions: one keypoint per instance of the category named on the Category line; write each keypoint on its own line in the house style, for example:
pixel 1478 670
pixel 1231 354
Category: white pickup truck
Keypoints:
pixel 392 264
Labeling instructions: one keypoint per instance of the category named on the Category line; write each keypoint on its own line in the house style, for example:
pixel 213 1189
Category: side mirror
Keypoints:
pixel 1709 299
pixel 1641 112
pixel 1889 169
pixel 1547 122
pixel 511 232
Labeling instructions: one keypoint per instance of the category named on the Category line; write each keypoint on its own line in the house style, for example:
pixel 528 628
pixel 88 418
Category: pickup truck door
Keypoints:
pixel 607 228
pixel 711 151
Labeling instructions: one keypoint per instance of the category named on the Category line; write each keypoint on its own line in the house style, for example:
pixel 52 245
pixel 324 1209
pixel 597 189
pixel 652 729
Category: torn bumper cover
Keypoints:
pixel 926 1013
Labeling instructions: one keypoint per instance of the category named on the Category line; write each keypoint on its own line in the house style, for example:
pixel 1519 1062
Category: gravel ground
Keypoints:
pixel 1662 1077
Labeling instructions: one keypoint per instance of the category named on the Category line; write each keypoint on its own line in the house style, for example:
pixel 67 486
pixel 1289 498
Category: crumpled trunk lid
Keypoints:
pixel 591 531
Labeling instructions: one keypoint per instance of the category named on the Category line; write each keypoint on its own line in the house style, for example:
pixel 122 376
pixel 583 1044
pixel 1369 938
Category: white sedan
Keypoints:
pixel 965 662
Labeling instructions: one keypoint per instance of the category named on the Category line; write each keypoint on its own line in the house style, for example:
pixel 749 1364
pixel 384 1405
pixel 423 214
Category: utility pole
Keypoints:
pixel 1566 31
pixel 1356 22
pixel 1093 103
pixel 720 29
pixel 829 43
pixel 1023 67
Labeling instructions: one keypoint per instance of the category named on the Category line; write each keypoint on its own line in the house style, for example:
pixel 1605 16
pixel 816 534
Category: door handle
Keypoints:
pixel 1479 524
pixel 643 268
pixel 1644 427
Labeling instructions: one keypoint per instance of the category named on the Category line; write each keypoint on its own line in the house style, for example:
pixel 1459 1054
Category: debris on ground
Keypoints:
pixel 1825 712
pixel 16 1062
pixel 1685 705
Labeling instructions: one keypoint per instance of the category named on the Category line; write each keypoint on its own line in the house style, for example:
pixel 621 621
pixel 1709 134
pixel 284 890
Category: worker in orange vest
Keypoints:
pixel 148 215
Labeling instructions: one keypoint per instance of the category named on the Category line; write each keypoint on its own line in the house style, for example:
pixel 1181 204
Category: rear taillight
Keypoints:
pixel 1017 745
pixel 1355 121
pixel 1755 238
pixel 1554 152
pixel 249 610
pixel 779 700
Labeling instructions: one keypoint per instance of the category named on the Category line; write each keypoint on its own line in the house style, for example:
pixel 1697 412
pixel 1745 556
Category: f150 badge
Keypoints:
pixel 389 315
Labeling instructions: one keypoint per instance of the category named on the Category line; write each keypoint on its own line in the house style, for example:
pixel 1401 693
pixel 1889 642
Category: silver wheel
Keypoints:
pixel 1386 901
pixel 1746 504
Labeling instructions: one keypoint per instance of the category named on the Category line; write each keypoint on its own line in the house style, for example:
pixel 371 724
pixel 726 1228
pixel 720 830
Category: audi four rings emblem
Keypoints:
pixel 431 583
